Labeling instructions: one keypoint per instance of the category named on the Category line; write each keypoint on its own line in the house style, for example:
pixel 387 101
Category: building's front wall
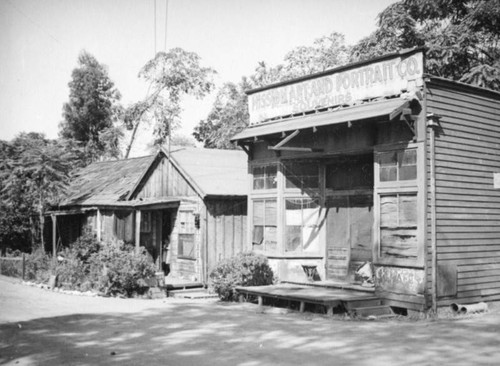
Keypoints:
pixel 338 208
pixel 326 199
pixel 467 166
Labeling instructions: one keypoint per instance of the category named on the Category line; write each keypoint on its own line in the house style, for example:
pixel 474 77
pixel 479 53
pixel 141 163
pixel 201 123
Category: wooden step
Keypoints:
pixel 362 303
pixel 376 312
pixel 192 294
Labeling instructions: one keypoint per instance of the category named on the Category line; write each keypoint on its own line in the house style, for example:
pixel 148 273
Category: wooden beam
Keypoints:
pixel 285 140
pixel 304 149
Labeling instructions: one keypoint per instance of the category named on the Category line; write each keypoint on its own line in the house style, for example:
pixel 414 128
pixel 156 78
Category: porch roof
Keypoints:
pixel 389 108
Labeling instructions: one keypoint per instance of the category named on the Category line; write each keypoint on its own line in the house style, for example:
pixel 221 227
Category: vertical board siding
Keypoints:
pixel 467 204
pixel 164 181
pixel 226 229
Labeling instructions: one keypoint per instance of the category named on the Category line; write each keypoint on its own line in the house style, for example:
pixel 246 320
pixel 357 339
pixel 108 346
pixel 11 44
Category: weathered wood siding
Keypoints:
pixel 467 204
pixel 164 180
pixel 226 228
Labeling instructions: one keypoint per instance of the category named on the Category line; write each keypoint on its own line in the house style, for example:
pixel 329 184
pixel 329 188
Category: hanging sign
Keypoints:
pixel 384 78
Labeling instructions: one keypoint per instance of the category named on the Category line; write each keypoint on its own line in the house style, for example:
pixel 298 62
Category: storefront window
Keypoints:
pixel 398 226
pixel 398 165
pixel 264 177
pixel 303 175
pixel 350 173
pixel 264 236
pixel 302 225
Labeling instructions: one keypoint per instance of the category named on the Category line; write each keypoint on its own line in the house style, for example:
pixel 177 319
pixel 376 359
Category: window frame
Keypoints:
pixel 187 230
pixel 397 187
pixel 265 177
pixel 264 248
pixel 319 226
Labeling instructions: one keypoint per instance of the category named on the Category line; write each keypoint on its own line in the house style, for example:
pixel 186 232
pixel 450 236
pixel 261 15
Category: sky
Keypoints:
pixel 40 41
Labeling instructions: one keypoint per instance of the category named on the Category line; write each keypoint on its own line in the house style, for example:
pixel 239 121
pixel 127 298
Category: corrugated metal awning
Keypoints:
pixel 389 108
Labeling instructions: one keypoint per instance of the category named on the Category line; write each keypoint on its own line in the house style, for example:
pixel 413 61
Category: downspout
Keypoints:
pixel 432 124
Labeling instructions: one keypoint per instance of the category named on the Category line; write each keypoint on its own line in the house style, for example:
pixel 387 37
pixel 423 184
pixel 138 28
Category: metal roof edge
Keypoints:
pixel 460 84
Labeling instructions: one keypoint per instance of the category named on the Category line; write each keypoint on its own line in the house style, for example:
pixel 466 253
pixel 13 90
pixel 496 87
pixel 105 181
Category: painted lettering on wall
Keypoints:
pixel 384 78
pixel 402 280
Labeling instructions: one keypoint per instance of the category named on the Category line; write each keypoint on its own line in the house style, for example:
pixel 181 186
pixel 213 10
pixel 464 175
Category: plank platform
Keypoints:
pixel 329 297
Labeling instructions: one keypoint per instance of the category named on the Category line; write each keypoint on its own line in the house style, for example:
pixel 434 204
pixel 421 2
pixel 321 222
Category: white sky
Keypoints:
pixel 40 41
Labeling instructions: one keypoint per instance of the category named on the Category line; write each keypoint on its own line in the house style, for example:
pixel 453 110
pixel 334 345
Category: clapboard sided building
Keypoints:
pixel 378 162
pixel 190 201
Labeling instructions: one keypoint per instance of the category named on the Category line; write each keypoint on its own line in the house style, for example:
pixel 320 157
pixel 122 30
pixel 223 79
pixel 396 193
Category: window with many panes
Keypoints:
pixel 398 165
pixel 265 224
pixel 265 177
pixel 301 175
pixel 302 230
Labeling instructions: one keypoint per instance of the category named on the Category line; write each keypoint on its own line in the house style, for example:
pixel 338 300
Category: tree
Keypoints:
pixel 229 113
pixel 170 76
pixel 34 173
pixel 462 37
pixel 228 116
pixel 92 109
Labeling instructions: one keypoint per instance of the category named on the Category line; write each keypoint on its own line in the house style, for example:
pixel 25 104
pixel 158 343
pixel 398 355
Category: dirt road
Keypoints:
pixel 40 327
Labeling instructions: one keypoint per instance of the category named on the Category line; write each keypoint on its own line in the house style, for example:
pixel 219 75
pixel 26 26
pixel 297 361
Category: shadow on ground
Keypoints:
pixel 201 333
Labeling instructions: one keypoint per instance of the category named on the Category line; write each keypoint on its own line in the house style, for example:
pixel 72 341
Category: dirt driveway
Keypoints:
pixel 40 327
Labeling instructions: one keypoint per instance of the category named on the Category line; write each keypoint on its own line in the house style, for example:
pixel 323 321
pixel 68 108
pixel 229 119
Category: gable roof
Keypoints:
pixel 214 172
pixel 211 173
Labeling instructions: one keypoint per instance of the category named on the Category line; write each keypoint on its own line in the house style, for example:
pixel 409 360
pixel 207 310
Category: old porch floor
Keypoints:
pixel 328 296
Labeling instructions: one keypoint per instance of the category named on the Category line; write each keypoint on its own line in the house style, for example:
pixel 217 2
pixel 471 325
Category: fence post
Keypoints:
pixel 24 265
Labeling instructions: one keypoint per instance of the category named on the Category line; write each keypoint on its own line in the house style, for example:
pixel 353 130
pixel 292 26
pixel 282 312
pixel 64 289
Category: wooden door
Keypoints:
pixel 349 235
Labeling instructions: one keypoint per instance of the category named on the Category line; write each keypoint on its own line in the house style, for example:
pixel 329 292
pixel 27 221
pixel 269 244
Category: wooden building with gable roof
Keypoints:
pixel 193 199
pixel 378 162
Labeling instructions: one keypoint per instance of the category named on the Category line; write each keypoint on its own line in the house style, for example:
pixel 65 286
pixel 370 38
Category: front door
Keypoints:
pixel 349 235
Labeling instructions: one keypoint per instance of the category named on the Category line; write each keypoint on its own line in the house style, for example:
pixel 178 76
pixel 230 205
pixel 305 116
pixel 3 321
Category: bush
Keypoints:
pixel 245 269
pixel 118 270
pixel 38 266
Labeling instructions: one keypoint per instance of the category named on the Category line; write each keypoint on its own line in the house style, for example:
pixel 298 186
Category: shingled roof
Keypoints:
pixel 106 182
pixel 212 173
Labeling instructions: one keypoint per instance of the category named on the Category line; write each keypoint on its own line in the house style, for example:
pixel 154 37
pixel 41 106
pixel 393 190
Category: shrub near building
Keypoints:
pixel 244 269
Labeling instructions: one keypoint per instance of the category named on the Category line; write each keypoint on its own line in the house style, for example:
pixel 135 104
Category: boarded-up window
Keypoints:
pixel 302 225
pixel 302 175
pixel 398 226
pixel 264 236
pixel 264 177
pixel 398 165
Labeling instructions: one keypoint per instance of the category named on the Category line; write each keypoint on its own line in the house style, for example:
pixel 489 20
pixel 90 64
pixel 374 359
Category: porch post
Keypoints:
pixel 137 230
pixel 54 236
pixel 99 224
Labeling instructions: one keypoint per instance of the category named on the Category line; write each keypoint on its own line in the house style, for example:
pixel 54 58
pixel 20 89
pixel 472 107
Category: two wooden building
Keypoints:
pixel 378 162
pixel 190 203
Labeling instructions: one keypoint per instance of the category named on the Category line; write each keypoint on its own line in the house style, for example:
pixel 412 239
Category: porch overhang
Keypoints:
pixel 387 109
pixel 140 204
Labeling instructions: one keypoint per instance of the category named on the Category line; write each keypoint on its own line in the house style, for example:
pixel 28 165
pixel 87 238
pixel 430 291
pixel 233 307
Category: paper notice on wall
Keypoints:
pixel 496 180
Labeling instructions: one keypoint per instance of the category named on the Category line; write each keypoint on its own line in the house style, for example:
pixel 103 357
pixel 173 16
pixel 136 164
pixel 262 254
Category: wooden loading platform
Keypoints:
pixel 331 298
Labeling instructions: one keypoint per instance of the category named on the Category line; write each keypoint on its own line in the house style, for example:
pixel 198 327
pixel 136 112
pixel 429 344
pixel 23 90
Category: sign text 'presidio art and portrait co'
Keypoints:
pixel 385 78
